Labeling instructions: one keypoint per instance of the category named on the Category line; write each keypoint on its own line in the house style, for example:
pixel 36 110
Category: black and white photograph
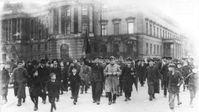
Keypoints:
pixel 99 55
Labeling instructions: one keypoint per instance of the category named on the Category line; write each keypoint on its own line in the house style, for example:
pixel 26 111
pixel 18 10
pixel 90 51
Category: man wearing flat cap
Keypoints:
pixel 175 81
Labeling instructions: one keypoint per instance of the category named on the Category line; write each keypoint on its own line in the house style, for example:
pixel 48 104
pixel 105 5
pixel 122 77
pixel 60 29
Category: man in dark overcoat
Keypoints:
pixel 97 79
pixel 20 76
pixel 153 77
pixel 43 73
pixel 57 70
pixel 4 81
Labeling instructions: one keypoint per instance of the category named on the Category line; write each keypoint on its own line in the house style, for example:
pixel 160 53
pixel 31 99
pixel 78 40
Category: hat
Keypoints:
pixel 129 59
pixel 112 58
pixel 150 59
pixel 19 61
pixel 52 74
pixel 172 65
pixel 42 61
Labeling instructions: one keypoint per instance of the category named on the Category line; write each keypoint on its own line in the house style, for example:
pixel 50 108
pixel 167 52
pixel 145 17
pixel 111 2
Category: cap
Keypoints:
pixel 43 61
pixel 112 57
pixel 172 65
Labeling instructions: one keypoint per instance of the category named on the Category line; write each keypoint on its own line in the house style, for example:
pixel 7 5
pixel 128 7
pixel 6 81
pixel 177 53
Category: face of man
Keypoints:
pixel 128 64
pixel 179 65
pixel 171 68
pixel 151 63
pixel 74 71
pixel 53 78
pixel 75 61
pixel 20 64
pixel 112 62
pixel 55 63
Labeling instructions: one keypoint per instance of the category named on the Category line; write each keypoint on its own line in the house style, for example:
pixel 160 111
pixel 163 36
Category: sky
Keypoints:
pixel 184 12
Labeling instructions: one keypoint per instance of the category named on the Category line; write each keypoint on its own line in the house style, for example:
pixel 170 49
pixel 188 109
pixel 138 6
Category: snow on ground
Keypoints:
pixel 139 103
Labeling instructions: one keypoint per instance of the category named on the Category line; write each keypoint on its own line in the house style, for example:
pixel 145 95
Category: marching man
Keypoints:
pixel 112 72
pixel 175 81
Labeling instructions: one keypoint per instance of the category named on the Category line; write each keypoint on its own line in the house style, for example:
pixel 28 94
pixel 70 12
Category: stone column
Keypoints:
pixel 17 27
pixel 59 20
pixel 11 26
pixel 79 19
pixel 72 20
pixel 8 32
pixel 20 28
pixel 90 14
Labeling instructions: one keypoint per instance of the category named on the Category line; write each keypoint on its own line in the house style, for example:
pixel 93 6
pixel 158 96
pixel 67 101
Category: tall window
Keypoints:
pixel 160 32
pixel 154 47
pixel 157 32
pixel 154 31
pixel 147 28
pixel 147 50
pixel 75 20
pixel 158 49
pixel 84 27
pixel 130 27
pixel 116 28
pixel 84 10
pixel 150 29
pixel 68 12
pixel 104 29
pixel 150 48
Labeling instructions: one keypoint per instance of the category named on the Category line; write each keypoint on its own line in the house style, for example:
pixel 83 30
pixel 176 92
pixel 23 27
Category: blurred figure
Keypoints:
pixel 75 81
pixel 4 81
pixel 20 77
pixel 43 73
pixel 52 88
pixel 192 84
pixel 112 72
pixel 153 77
pixel 175 81
pixel 57 70
pixel 85 77
pixel 127 80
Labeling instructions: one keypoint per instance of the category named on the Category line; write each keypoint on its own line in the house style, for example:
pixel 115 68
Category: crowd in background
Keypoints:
pixel 115 76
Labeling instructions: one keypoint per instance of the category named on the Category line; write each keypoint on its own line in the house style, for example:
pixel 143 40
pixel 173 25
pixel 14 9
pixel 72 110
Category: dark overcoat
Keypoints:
pixel 20 76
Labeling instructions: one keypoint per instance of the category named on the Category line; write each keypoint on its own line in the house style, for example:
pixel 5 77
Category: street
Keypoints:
pixel 139 103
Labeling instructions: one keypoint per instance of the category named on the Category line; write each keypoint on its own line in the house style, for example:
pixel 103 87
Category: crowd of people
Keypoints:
pixel 114 76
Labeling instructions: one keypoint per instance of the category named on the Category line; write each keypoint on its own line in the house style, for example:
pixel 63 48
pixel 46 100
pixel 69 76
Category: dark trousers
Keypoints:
pixel 52 101
pixel 121 85
pixel 84 86
pixel 127 94
pixel 165 86
pixel 75 91
pixel 43 94
pixel 65 85
pixel 34 100
pixel 97 90
pixel 111 97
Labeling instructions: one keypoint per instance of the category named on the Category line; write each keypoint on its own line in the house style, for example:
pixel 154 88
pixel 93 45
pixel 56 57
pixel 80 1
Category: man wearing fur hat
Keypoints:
pixel 112 72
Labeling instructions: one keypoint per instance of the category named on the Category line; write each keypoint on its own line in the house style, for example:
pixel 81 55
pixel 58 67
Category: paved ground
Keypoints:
pixel 139 103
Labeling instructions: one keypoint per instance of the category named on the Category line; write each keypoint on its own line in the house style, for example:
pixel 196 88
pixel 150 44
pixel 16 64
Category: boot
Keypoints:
pixel 19 102
pixel 24 100
pixel 35 108
pixel 150 97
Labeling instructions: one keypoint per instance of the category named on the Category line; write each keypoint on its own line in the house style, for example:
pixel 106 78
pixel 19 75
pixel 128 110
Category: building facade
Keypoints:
pixel 58 31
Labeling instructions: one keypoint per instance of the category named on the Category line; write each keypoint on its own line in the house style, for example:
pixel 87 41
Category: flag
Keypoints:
pixel 86 45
